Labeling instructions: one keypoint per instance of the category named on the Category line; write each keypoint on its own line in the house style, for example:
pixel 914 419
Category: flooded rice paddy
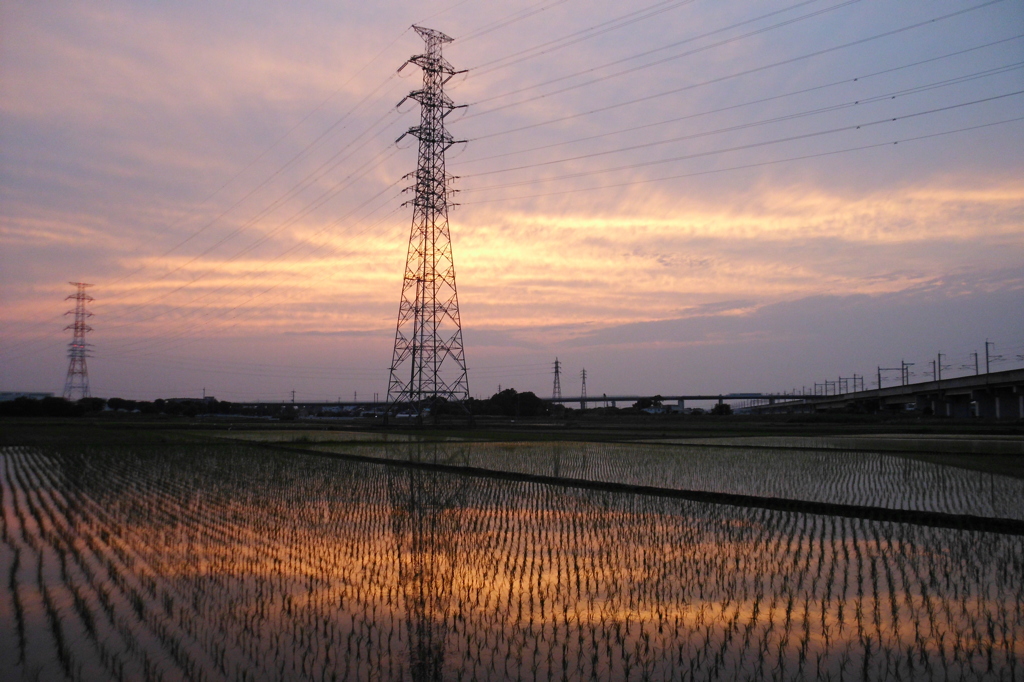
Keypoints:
pixel 850 477
pixel 231 561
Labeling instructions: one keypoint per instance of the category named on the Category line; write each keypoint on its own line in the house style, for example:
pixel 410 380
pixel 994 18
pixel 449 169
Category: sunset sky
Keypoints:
pixel 680 196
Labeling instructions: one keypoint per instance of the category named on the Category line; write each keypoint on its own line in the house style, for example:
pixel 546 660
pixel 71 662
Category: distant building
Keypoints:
pixel 14 395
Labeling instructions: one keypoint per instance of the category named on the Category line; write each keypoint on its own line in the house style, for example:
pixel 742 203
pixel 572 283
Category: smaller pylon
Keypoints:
pixel 556 389
pixel 77 380
pixel 583 390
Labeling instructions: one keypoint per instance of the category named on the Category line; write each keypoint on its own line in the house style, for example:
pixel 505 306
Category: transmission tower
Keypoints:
pixel 77 380
pixel 429 362
pixel 556 389
pixel 583 390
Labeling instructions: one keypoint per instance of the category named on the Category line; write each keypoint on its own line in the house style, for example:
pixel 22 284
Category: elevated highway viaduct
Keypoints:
pixel 996 395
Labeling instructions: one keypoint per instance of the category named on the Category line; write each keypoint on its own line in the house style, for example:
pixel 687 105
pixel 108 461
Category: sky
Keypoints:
pixel 680 196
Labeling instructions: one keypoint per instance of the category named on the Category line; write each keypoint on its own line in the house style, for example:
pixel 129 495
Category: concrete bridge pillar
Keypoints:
pixel 986 403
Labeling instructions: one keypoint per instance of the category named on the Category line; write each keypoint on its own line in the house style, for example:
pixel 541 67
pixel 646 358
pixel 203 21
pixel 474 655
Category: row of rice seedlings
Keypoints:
pixel 868 643
pixel 421 573
pixel 106 593
pixel 113 576
pixel 42 630
pixel 160 604
pixel 286 604
pixel 13 639
pixel 835 476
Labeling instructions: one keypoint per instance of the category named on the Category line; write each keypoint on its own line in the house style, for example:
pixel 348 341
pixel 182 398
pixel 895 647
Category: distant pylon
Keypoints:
pixel 429 362
pixel 556 389
pixel 77 380
pixel 583 390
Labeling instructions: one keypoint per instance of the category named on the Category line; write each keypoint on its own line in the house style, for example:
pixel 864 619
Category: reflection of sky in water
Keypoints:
pixel 836 476
pixel 230 560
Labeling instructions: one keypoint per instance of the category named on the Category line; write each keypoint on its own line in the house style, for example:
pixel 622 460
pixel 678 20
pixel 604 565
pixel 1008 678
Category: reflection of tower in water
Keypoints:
pixel 426 519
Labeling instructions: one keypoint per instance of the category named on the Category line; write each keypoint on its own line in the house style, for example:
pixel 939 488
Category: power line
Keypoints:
pixel 752 145
pixel 747 166
pixel 674 91
pixel 222 314
pixel 322 199
pixel 746 72
pixel 809 112
pixel 647 53
pixel 525 13
pixel 578 36
pixel 307 181
pixel 274 144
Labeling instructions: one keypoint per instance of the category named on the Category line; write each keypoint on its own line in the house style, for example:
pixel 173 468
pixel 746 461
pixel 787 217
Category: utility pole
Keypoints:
pixel 889 369
pixel 583 390
pixel 938 366
pixel 935 371
pixel 850 381
pixel 293 396
pixel 905 371
pixel 429 360
pixel 556 388
pixel 990 358
pixel 975 354
pixel 846 382
pixel 77 380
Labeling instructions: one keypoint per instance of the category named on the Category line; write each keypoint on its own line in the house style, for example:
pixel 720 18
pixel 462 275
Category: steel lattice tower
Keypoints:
pixel 583 390
pixel 556 388
pixel 429 362
pixel 77 380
